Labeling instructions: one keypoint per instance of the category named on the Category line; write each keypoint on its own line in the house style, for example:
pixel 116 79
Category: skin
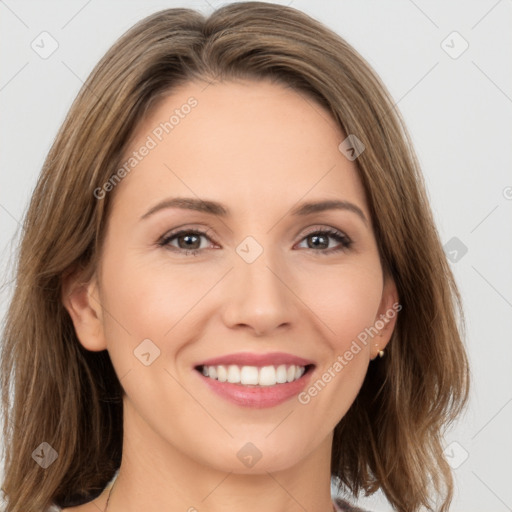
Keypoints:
pixel 259 148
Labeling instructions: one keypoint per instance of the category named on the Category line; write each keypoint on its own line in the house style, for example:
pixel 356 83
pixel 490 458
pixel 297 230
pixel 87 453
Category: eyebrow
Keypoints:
pixel 215 208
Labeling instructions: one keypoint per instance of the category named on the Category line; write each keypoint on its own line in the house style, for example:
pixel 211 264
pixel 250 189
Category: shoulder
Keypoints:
pixel 345 506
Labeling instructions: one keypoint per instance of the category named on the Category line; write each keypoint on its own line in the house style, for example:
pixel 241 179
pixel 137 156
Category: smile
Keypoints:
pixel 253 375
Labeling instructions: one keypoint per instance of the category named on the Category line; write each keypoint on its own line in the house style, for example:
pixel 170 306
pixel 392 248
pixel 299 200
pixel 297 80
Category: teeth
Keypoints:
pixel 222 374
pixel 281 374
pixel 254 375
pixel 233 373
pixel 249 375
pixel 267 376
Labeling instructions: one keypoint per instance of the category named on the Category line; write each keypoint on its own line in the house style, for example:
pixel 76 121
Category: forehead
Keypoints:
pixel 248 143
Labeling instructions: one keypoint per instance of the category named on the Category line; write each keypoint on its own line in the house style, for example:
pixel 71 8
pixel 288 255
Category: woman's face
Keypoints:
pixel 267 275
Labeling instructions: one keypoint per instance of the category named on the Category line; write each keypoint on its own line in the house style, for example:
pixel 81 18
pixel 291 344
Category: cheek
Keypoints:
pixel 148 302
pixel 346 299
pixel 146 299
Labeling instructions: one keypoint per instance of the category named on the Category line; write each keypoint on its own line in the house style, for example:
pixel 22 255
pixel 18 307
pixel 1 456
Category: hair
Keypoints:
pixel 56 391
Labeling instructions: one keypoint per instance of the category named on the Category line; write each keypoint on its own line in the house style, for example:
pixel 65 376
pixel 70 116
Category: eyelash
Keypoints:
pixel 344 240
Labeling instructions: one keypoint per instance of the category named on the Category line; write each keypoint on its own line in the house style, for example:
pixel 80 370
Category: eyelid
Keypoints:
pixel 187 228
pixel 321 227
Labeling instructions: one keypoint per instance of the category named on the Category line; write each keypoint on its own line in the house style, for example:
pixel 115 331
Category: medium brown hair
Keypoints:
pixel 55 391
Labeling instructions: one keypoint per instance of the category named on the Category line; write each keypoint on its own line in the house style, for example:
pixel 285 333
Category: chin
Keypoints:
pixel 258 455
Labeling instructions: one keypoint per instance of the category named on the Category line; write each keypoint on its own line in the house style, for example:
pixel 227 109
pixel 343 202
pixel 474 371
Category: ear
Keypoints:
pixel 385 320
pixel 83 305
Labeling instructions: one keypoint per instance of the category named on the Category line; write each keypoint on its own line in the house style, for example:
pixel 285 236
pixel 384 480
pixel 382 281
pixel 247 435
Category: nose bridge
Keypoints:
pixel 260 276
pixel 258 297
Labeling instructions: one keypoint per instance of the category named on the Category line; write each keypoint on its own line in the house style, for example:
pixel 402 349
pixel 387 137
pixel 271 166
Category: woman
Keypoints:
pixel 230 286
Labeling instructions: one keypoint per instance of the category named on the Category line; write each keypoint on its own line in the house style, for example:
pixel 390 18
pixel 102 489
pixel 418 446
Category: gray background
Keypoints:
pixel 458 110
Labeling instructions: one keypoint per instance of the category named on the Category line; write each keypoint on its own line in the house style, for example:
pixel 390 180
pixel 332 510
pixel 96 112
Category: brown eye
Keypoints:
pixel 187 241
pixel 319 241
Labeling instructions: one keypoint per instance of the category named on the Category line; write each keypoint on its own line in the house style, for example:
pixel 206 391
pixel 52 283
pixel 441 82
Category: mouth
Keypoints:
pixel 255 387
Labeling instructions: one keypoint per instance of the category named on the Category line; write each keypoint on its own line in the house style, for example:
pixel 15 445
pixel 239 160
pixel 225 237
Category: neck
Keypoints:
pixel 155 476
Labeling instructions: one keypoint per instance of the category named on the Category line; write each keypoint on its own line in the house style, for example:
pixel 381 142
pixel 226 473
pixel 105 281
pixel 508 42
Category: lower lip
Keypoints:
pixel 257 397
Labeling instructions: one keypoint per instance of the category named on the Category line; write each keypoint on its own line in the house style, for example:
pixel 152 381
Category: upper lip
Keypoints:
pixel 252 359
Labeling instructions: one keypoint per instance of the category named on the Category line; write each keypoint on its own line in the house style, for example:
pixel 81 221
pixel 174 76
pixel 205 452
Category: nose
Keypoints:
pixel 259 297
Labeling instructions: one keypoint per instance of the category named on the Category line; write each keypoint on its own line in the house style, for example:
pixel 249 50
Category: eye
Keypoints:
pixel 319 239
pixel 188 241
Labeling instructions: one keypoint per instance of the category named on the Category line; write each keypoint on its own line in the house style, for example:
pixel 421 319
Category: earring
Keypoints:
pixel 381 352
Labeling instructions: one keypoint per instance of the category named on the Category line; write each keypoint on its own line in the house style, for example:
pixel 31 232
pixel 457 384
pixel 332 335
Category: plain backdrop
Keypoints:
pixel 447 66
